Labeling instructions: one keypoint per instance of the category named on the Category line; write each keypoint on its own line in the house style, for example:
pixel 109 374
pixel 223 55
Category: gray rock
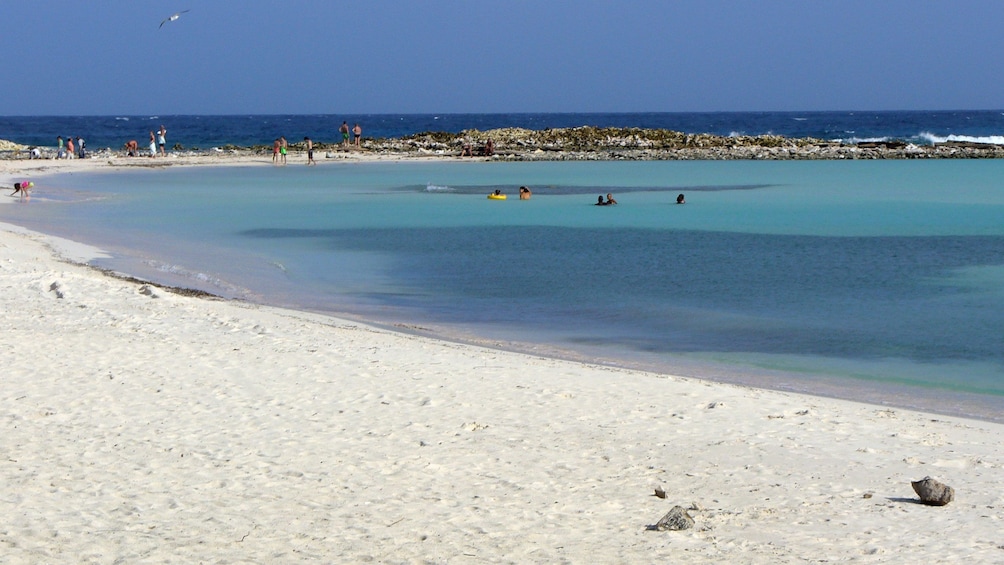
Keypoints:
pixel 932 492
pixel 675 519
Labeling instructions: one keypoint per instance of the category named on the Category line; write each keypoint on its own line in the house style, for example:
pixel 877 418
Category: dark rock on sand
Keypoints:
pixel 932 492
pixel 675 519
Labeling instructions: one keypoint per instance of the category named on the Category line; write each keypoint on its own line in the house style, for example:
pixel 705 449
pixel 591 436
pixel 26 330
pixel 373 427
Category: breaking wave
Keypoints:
pixel 990 139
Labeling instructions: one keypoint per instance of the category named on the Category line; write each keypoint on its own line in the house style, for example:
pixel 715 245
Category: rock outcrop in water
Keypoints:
pixel 588 143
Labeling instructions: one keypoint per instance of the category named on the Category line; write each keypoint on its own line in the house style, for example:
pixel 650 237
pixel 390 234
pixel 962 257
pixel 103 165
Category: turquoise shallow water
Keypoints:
pixel 880 281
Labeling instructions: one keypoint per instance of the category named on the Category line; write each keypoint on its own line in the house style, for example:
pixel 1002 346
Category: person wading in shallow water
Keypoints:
pixel 22 187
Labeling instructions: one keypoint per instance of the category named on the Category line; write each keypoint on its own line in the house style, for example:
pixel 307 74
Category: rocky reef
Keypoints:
pixel 602 144
pixel 588 143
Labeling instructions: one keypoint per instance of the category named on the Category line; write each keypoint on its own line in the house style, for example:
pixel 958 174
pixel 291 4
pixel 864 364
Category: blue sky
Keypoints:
pixel 72 57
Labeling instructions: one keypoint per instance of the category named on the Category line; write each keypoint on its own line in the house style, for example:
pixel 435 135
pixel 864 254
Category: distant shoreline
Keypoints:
pixel 585 143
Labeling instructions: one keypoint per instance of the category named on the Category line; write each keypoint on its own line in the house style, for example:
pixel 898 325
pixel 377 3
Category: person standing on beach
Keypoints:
pixel 310 151
pixel 162 140
pixel 153 145
pixel 283 148
pixel 80 148
pixel 357 132
pixel 59 147
pixel 70 153
pixel 275 151
pixel 344 129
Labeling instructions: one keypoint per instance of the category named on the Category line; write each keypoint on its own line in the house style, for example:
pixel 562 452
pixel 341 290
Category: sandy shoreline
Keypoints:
pixel 144 425
pixel 12 170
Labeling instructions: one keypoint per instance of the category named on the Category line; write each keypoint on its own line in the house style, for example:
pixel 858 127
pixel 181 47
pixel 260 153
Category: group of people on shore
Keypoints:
pixel 467 150
pixel 357 134
pixel 280 147
pixel 67 149
pixel 158 142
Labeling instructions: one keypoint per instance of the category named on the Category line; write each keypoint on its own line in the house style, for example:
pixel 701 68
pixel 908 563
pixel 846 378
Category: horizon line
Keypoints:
pixel 157 116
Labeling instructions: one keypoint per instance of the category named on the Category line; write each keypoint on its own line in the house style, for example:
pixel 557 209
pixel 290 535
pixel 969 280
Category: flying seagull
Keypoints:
pixel 172 18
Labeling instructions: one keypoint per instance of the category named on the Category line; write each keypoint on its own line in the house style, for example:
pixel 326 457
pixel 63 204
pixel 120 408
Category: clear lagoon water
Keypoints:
pixel 880 281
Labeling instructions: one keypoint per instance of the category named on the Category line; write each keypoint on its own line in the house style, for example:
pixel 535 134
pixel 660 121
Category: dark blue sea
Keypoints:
pixel 204 132
pixel 880 281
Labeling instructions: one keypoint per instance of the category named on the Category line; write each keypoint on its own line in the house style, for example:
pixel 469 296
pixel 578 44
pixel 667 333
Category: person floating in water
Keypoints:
pixel 524 193
pixel 599 201
pixel 610 200
pixel 681 200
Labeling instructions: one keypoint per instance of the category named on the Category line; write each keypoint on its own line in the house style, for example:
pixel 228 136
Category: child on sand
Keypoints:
pixel 22 187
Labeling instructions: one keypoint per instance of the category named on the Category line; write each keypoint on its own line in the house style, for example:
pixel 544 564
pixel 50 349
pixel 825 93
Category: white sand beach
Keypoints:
pixel 147 426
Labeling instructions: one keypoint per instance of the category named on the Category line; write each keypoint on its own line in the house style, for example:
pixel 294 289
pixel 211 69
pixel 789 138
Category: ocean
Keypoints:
pixel 205 132
pixel 879 281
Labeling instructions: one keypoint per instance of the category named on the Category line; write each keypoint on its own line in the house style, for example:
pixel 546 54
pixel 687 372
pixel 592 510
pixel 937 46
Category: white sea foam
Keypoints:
pixel 854 140
pixel 217 284
pixel 438 188
pixel 991 139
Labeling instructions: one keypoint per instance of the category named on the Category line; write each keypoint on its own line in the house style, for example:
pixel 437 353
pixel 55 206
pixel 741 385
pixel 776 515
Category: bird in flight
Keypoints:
pixel 172 18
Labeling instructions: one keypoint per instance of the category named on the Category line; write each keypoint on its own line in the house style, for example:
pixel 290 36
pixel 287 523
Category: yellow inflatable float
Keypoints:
pixel 496 196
